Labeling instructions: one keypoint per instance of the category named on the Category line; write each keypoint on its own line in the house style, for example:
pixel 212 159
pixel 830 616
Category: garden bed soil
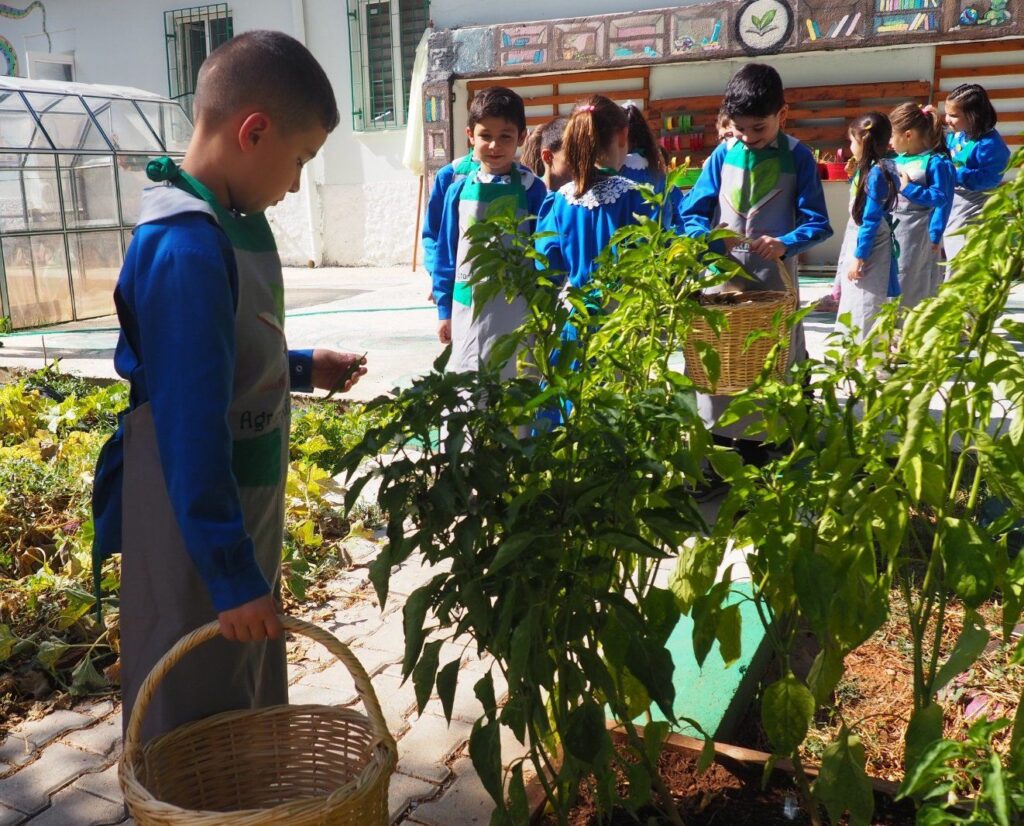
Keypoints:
pixel 729 792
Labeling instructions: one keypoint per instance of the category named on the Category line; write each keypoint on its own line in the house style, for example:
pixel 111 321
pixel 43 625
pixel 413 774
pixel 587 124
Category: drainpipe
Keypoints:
pixel 314 171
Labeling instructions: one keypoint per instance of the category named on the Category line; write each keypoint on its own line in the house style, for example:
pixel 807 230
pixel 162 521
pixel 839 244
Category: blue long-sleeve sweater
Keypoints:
pixel 980 163
pixel 936 192
pixel 876 190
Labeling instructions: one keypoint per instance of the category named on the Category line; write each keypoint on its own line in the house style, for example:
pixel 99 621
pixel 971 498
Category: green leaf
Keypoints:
pixel 655 734
pixel 786 711
pixel 485 752
pixel 653 666
pixel 842 784
pixel 484 691
pixel 925 774
pixel 969 646
pixel 85 679
pixel 925 728
pixel 414 615
pixel 585 734
pixel 825 673
pixel 994 789
pixel 972 559
pixel 728 633
pixel 447 679
pixel 622 541
pixel 7 642
pixel 49 652
pixel 424 673
pixel 510 549
pixel 519 805
pixel 707 756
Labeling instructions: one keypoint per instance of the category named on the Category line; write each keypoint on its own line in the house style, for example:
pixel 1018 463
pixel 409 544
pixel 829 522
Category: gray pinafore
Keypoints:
pixel 919 270
pixel 474 333
pixel 162 595
pixel 863 299
pixel 758 196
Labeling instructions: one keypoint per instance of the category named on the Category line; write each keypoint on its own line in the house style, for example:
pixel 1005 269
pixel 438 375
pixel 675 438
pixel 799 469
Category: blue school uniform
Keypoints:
pixel 872 243
pixel 980 164
pixel 637 168
pixel 774 190
pixel 445 177
pixel 921 213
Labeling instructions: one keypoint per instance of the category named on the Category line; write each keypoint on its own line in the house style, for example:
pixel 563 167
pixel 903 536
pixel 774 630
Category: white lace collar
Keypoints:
pixel 606 191
pixel 634 160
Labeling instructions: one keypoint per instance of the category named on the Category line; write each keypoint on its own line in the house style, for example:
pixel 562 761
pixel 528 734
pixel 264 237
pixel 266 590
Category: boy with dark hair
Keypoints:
pixel 763 185
pixel 191 487
pixel 497 128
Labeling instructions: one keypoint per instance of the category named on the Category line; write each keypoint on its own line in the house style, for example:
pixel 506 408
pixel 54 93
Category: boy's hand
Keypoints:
pixel 856 272
pixel 444 331
pixel 767 247
pixel 430 297
pixel 253 621
pixel 337 372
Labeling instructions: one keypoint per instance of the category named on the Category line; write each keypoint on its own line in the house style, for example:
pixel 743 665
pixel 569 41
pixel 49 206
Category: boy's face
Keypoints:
pixel 758 132
pixel 273 161
pixel 495 141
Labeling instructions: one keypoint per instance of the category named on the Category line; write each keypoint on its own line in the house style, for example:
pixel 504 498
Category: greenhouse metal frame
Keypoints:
pixel 72 168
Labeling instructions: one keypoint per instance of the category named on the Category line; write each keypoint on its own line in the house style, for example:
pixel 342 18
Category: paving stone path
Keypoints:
pixel 61 770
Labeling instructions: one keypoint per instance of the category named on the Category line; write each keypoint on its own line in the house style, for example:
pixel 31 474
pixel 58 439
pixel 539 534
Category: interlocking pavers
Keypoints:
pixel 423 750
pixel 75 807
pixel 29 789
pixel 465 802
pixel 405 790
pixel 101 738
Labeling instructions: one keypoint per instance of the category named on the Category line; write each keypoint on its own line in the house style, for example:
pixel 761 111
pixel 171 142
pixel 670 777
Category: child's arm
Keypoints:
pixel 811 213
pixel 876 189
pixel 989 161
pixel 186 318
pixel 551 246
pixel 697 209
pixel 446 261
pixel 435 210
pixel 937 193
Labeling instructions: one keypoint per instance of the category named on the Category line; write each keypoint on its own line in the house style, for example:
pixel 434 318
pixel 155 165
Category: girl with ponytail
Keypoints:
pixel 925 198
pixel 644 163
pixel 868 260
pixel 584 213
pixel 979 154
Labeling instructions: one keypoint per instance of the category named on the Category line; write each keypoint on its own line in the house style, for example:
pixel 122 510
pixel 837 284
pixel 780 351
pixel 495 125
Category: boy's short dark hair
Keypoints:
pixel 268 70
pixel 755 91
pixel 498 102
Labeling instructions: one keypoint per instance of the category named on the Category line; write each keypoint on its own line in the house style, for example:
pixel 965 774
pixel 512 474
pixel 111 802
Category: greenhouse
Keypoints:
pixel 72 168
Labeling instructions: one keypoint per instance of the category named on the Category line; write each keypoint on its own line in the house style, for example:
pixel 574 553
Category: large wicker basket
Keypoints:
pixel 298 765
pixel 745 313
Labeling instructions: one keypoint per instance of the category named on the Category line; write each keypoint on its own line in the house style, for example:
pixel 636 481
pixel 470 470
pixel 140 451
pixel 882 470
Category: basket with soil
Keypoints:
pixel 741 359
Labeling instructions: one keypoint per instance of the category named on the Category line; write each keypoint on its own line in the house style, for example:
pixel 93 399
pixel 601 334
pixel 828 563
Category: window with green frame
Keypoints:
pixel 383 35
pixel 191 34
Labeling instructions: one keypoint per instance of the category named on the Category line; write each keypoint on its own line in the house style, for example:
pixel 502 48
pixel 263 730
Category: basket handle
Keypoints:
pixel 787 279
pixel 205 633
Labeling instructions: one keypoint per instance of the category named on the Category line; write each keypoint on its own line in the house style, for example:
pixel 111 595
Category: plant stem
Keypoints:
pixel 805 790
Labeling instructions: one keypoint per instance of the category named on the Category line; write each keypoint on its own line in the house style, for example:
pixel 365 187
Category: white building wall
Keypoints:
pixel 358 204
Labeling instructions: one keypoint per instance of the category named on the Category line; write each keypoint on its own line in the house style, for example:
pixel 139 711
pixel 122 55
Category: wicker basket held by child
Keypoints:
pixel 745 313
pixel 299 765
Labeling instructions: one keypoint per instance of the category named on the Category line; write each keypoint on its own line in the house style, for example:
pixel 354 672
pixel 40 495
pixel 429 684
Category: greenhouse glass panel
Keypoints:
pixel 95 264
pixel 169 122
pixel 123 125
pixel 66 122
pixel 132 179
pixel 18 129
pixel 36 270
pixel 87 184
pixel 29 199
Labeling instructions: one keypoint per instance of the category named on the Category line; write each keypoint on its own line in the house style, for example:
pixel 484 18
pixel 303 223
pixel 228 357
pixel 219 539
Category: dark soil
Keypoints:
pixel 725 795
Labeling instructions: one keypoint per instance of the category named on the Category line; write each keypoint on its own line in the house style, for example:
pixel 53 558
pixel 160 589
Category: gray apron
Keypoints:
pixel 162 596
pixel 758 196
pixel 967 204
pixel 919 270
pixel 863 299
pixel 475 330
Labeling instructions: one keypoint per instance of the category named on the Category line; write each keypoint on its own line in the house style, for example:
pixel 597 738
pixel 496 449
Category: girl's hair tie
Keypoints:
pixel 589 107
pixel 928 110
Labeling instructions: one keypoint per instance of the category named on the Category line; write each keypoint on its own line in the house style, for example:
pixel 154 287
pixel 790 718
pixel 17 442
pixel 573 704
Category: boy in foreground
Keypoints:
pixel 191 487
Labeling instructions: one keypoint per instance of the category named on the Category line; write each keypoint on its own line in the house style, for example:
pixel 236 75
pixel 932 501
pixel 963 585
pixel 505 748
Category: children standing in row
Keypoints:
pixel 497 128
pixel 867 260
pixel 979 154
pixel 925 198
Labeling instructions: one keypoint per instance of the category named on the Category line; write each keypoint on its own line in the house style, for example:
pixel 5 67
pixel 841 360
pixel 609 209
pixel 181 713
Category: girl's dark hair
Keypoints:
pixel 642 140
pixel 977 109
pixel 590 131
pixel 924 120
pixel 874 132
pixel 548 135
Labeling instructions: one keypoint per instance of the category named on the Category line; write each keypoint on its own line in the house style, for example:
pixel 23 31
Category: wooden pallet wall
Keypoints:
pixel 1003 79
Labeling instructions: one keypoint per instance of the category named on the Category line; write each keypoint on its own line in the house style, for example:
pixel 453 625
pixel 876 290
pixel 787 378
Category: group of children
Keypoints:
pixel 913 187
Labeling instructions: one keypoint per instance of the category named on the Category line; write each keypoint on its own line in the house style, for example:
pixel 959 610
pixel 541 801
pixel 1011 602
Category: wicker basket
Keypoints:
pixel 298 765
pixel 745 313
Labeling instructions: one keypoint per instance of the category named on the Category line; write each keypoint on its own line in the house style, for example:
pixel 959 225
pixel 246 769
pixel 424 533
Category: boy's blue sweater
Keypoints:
pixel 175 300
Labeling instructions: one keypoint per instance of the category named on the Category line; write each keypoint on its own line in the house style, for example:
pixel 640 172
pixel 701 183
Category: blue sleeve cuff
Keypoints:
pixel 300 370
pixel 444 308
pixel 242 583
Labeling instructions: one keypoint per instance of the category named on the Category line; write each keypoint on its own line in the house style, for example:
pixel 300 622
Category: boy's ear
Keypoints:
pixel 253 130
pixel 783 112
pixel 469 134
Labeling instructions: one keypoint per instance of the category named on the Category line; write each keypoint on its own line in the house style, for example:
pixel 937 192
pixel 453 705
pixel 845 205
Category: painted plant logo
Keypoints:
pixel 763 26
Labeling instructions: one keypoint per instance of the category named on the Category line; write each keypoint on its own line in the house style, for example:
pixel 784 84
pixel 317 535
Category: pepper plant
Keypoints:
pixel 547 540
pixel 878 487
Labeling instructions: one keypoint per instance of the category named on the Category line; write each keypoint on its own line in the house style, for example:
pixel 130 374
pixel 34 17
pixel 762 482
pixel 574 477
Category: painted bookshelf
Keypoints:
pixel 907 16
